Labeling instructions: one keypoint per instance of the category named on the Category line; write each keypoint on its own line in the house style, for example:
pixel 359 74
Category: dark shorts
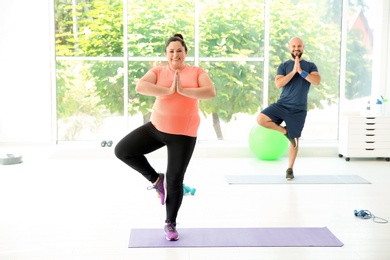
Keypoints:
pixel 294 118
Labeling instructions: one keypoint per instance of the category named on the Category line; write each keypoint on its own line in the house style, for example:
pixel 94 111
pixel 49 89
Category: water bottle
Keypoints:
pixel 378 107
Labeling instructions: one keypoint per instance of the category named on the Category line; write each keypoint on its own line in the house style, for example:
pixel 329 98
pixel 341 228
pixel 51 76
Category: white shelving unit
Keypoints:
pixel 364 137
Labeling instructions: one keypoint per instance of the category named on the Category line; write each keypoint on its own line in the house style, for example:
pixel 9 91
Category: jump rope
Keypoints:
pixel 366 214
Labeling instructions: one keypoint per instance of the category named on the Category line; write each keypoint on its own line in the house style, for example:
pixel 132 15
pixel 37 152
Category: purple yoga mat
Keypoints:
pixel 237 237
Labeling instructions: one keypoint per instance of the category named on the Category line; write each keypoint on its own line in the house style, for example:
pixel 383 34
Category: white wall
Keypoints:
pixel 25 89
pixel 386 54
pixel 381 62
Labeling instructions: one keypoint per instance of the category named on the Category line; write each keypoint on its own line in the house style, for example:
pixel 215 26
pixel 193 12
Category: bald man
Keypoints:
pixel 294 77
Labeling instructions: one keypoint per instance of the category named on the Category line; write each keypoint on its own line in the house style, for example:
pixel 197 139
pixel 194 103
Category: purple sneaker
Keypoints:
pixel 160 188
pixel 171 232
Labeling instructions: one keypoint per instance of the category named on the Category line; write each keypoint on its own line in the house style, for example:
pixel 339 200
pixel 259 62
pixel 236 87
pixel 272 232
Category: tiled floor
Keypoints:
pixel 67 203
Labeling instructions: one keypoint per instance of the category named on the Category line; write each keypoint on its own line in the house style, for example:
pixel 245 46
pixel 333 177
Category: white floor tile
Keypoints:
pixel 83 207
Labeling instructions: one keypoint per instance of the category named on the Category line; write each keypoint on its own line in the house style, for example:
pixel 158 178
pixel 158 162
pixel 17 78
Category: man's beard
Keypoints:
pixel 299 55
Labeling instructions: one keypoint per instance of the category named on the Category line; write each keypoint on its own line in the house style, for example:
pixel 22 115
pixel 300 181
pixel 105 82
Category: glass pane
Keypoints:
pixel 89 100
pixel 231 46
pixel 318 24
pixel 150 24
pixel 230 28
pixel 359 56
pixel 89 28
pixel 239 93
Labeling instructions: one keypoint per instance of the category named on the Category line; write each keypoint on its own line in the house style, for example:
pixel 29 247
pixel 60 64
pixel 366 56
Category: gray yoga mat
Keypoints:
pixel 236 237
pixel 299 179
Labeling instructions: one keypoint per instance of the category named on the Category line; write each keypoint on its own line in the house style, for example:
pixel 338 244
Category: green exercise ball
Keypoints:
pixel 267 144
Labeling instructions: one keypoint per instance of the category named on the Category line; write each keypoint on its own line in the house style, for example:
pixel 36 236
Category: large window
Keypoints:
pixel 104 46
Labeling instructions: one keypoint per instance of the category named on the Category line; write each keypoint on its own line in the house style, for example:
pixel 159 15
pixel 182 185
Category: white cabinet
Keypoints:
pixel 364 136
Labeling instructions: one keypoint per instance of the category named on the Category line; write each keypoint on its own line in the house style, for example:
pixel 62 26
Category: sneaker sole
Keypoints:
pixel 289 177
pixel 165 190
pixel 163 199
pixel 293 142
pixel 173 239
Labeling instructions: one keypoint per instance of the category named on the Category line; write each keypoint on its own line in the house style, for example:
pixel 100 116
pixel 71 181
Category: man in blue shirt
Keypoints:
pixel 294 77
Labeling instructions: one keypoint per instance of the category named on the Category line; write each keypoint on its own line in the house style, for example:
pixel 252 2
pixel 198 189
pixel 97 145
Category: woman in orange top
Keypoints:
pixel 174 124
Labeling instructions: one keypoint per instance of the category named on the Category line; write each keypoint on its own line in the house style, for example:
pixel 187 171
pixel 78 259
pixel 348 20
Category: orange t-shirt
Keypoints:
pixel 177 114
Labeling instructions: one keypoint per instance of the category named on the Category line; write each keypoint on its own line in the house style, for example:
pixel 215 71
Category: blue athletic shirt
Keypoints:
pixel 294 93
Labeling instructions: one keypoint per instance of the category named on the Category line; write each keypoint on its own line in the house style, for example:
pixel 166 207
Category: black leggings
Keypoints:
pixel 146 139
